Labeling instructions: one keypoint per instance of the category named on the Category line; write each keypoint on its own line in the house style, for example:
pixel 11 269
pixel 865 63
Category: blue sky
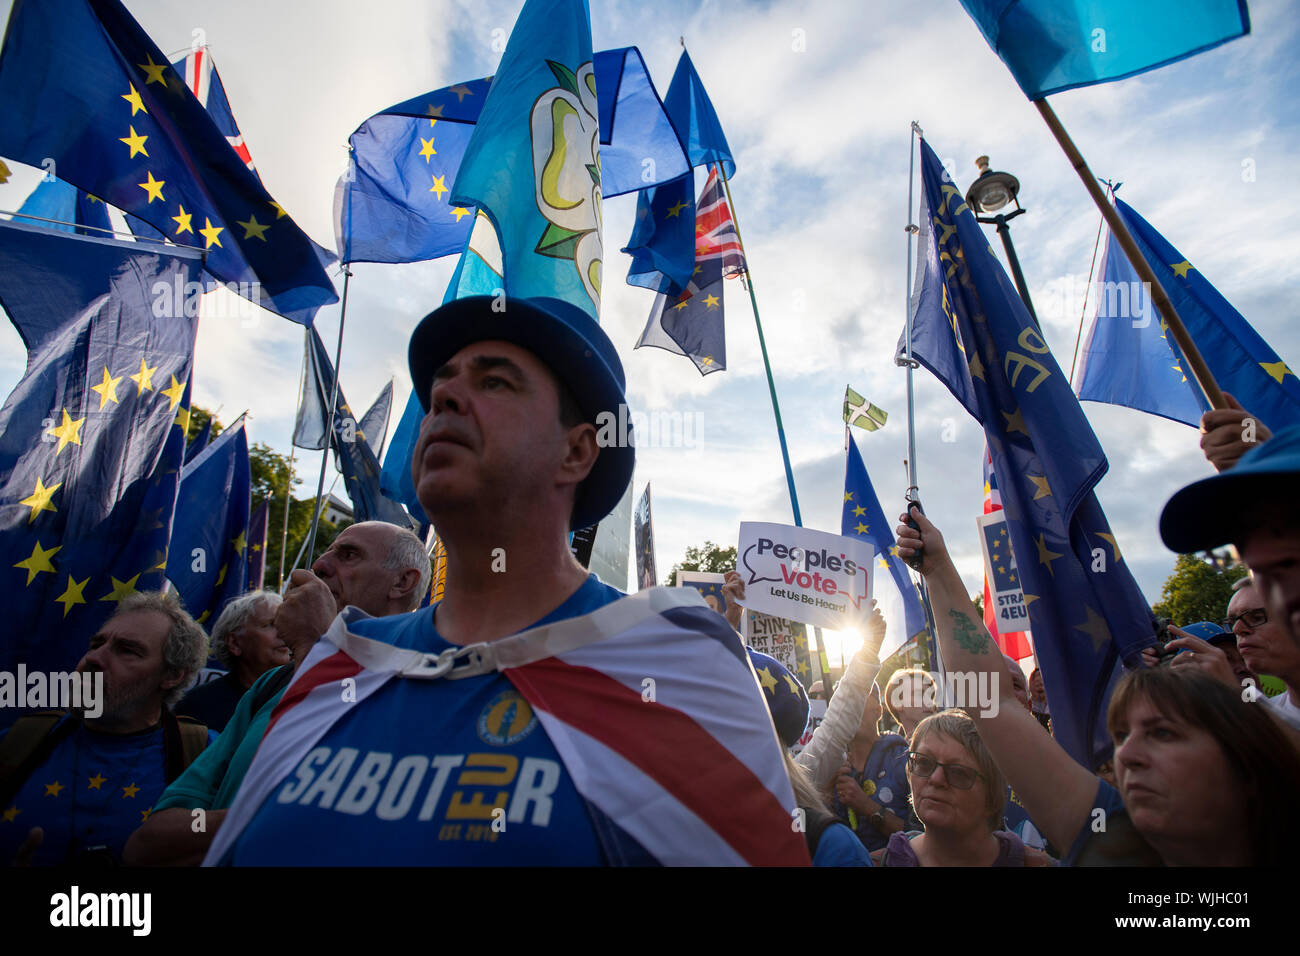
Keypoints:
pixel 816 100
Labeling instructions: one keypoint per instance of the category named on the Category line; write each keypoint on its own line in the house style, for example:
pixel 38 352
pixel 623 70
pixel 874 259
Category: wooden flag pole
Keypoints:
pixel 1197 367
pixel 762 344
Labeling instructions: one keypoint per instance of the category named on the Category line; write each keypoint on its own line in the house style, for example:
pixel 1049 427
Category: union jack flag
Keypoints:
pixel 692 774
pixel 715 233
pixel 204 81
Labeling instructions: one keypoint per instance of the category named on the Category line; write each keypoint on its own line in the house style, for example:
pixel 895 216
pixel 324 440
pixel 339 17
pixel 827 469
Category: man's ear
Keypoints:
pixel 406 582
pixel 179 677
pixel 581 450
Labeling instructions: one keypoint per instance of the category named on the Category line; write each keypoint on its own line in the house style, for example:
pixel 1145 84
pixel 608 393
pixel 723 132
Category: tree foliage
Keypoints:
pixel 711 557
pixel 1198 589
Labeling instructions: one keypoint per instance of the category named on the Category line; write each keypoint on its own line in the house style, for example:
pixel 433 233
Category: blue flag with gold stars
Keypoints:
pixel 1085 610
pixel 89 440
pixel 393 204
pixel 1131 360
pixel 85 86
pixel 257 528
pixel 862 517
pixel 662 245
pixel 208 559
pixel 53 199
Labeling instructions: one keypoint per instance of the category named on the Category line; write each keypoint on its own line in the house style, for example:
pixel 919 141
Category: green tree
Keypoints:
pixel 1198 589
pixel 711 557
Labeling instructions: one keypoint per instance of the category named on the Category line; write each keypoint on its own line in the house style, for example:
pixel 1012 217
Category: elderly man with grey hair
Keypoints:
pixel 378 567
pixel 78 783
pixel 246 643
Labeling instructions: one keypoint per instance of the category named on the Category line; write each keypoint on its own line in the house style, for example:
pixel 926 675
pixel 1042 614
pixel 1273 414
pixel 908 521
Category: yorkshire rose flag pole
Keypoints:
pixel 1055 45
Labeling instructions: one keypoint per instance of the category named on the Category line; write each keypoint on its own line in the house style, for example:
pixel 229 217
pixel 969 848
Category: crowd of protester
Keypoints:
pixel 1205 768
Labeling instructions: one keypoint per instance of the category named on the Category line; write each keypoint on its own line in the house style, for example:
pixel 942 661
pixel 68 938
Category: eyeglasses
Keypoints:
pixel 963 778
pixel 1253 618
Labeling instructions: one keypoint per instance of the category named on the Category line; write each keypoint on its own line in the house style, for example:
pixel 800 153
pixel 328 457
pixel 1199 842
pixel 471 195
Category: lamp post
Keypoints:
pixel 989 193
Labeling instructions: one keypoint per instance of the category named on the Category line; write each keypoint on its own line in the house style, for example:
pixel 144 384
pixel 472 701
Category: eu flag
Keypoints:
pixel 1055 45
pixel 374 423
pixel 89 442
pixel 532 164
pixel 662 244
pixel 1085 610
pixel 257 527
pixel 393 204
pixel 54 201
pixel 1130 360
pixel 84 85
pixel 862 517
pixel 208 560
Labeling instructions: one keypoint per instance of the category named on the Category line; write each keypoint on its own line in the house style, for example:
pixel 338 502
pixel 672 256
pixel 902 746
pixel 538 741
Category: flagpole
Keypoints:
pixel 288 485
pixel 1096 244
pixel 762 344
pixel 329 425
pixel 1199 370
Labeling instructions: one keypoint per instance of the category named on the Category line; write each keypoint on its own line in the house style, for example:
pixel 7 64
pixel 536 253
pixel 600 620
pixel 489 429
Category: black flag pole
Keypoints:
pixel 329 424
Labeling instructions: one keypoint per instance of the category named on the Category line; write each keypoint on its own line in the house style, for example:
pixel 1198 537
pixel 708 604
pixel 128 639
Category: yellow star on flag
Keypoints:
pixel 11 813
pixel 1040 484
pixel 136 142
pixel 38 562
pixel 253 229
pixel 39 500
pixel 461 92
pixel 130 791
pixel 860 528
pixel 1113 544
pixel 279 210
pixel 144 814
pixel 210 233
pixel 766 679
pixel 120 588
pixel 239 542
pixel 459 211
pixel 137 104
pixel 153 186
pixel 183 221
pixel 859 511
pixel 1181 268
pixel 794 685
pixel 68 432
pixel 440 186
pixel 427 149
pixel 434 113
pixel 183 419
pixel 711 301
pixel 144 379
pixel 1277 370
pixel 174 393
pixel 674 211
pixel 1045 554
pixel 107 389
pixel 52 789
pixel 1015 422
pixel 154 70
pixel 221 575
pixel 848 496
pixel 72 594
pixel 97 781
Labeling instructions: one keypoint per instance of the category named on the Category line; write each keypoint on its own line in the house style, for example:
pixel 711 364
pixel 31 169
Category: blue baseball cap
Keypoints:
pixel 1216 511
pixel 1210 632
pixel 784 694
pixel 571 344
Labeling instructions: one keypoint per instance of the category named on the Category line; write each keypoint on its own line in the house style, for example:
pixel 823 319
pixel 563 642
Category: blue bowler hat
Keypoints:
pixel 1215 511
pixel 784 694
pixel 569 342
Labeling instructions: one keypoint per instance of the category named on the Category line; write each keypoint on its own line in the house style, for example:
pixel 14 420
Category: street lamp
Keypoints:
pixel 989 193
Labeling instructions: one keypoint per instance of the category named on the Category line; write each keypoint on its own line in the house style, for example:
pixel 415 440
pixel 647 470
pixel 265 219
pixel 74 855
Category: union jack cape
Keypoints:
pixel 691 771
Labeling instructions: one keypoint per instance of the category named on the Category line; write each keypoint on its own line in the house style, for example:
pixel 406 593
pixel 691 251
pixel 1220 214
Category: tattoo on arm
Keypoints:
pixel 970 637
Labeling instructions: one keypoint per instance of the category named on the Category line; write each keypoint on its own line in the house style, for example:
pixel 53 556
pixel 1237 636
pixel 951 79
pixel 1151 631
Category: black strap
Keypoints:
pixel 279 680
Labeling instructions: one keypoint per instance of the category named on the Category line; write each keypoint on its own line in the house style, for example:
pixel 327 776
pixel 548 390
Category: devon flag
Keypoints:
pixel 1055 45
pixel 1131 360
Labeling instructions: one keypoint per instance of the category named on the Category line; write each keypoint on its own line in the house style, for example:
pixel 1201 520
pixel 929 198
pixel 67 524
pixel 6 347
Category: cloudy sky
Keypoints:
pixel 816 100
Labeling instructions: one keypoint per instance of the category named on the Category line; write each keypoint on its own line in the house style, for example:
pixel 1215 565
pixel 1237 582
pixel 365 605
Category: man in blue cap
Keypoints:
pixel 535 715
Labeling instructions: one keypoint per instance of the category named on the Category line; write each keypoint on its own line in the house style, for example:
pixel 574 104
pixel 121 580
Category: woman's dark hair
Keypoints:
pixel 1262 754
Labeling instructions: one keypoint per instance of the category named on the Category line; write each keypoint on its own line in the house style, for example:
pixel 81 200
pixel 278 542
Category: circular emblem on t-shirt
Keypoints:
pixel 868 787
pixel 506 720
pixel 886 795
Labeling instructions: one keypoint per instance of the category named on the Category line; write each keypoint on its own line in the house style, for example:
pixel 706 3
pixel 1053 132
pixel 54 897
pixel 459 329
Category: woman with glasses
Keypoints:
pixel 959 794
pixel 1204 779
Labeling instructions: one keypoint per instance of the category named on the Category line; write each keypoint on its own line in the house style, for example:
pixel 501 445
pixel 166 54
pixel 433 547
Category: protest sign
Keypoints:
pixel 805 575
